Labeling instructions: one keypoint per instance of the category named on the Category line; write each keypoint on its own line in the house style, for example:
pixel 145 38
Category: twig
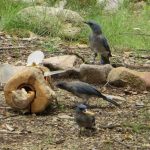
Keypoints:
pixel 15 47
pixel 143 34
pixel 77 56
pixel 143 57
pixel 4 107
pixel 9 116
pixel 136 66
pixel 131 66
pixel 122 143
pixel 140 49
pixel 111 126
pixel 8 132
pixel 105 84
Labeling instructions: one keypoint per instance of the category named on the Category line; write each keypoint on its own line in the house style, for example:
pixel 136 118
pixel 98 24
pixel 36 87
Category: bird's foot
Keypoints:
pixel 92 62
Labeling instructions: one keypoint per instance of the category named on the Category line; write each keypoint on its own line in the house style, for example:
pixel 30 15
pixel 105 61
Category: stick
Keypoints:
pixel 143 34
pixel 124 144
pixel 143 57
pixel 131 66
pixel 15 47
pixel 9 116
pixel 72 53
pixel 110 126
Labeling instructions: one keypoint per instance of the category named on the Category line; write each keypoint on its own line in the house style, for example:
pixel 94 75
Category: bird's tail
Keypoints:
pixel 109 99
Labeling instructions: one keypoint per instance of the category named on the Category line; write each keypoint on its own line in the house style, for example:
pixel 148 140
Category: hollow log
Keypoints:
pixel 29 90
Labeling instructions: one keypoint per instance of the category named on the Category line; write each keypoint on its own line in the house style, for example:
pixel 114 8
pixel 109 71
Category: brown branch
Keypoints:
pixel 72 53
pixel 143 57
pixel 143 34
pixel 131 66
pixel 111 126
pixel 15 47
pixel 9 116
pixel 122 143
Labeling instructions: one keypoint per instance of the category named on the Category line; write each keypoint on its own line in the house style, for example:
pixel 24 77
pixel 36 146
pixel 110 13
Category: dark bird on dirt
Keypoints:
pixel 98 43
pixel 84 118
pixel 84 91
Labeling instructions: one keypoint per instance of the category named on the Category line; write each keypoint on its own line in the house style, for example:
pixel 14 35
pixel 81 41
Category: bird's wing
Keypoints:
pixel 105 44
pixel 84 88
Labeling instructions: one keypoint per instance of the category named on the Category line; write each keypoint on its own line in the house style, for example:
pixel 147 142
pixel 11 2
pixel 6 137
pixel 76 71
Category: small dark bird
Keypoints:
pixel 84 118
pixel 84 91
pixel 98 43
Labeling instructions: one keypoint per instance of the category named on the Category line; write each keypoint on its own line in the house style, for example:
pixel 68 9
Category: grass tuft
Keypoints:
pixel 123 29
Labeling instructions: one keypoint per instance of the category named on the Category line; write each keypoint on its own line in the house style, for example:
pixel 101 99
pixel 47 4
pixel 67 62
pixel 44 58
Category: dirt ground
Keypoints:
pixel 55 129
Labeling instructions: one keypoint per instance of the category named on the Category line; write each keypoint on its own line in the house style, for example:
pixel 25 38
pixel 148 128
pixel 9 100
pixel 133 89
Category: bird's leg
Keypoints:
pixel 104 59
pixel 95 55
pixel 80 131
pixel 56 102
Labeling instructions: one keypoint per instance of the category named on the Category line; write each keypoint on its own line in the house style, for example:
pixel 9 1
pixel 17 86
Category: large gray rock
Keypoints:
pixel 122 76
pixel 51 19
pixel 33 2
pixel 7 71
pixel 110 5
pixel 60 62
pixel 94 73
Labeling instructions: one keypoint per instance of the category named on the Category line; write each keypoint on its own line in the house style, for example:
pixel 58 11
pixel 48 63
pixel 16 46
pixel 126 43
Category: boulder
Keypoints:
pixel 110 5
pixel 94 73
pixel 33 2
pixel 60 62
pixel 146 77
pixel 50 20
pixel 122 76
pixel 7 71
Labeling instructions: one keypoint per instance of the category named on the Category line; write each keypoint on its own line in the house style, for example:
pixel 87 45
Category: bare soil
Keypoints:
pixel 55 129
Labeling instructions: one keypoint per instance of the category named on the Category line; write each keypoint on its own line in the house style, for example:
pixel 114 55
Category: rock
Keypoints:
pixel 146 77
pixel 69 31
pixel 41 11
pixel 138 5
pixel 20 63
pixel 94 73
pixel 61 4
pixel 110 5
pixel 139 104
pixel 7 71
pixel 51 19
pixel 32 2
pixel 64 116
pixel 122 76
pixel 60 62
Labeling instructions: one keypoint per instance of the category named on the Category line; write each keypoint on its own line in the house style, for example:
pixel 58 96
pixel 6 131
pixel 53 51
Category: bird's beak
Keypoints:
pixel 85 22
pixel 89 113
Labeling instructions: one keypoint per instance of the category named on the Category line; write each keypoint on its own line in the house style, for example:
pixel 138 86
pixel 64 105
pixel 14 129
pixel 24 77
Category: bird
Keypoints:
pixel 84 118
pixel 83 90
pixel 99 43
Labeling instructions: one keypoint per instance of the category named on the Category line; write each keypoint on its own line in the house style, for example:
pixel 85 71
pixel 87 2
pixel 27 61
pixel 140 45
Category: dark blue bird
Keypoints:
pixel 98 43
pixel 84 118
pixel 84 91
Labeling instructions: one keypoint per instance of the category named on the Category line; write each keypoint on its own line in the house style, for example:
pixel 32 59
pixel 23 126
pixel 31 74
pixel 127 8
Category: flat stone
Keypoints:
pixel 60 62
pixel 7 71
pixel 122 76
pixel 94 73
